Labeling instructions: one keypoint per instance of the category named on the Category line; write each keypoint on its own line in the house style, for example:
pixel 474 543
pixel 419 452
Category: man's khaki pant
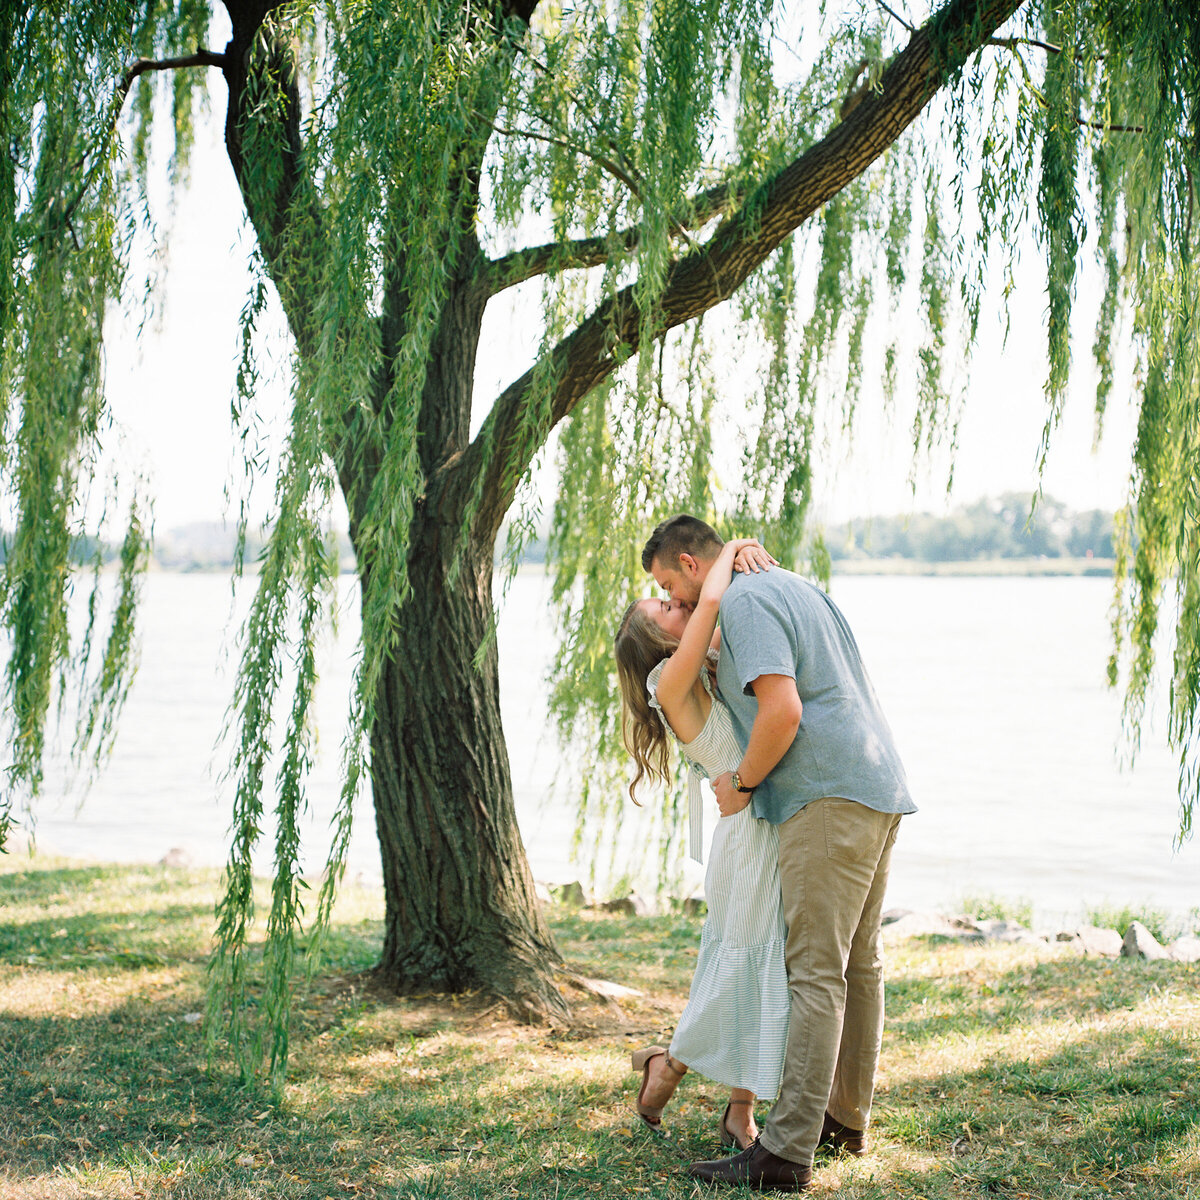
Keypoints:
pixel 833 866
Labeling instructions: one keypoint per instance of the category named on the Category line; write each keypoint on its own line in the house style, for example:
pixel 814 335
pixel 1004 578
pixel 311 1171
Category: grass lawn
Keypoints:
pixel 1006 1071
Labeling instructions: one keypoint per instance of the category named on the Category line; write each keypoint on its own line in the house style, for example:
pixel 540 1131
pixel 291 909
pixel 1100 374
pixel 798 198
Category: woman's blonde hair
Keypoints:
pixel 640 646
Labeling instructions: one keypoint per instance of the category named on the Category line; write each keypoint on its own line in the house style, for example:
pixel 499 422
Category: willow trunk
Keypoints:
pixel 461 913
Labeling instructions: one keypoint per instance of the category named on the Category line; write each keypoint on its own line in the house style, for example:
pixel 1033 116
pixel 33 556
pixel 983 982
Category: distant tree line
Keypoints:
pixel 1001 527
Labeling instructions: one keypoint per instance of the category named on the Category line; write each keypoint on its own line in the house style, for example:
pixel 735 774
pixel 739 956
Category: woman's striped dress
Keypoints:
pixel 734 1027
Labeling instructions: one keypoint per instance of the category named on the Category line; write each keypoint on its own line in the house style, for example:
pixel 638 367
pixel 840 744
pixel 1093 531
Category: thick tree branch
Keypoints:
pixel 552 257
pixel 503 448
pixel 522 265
pixel 443 416
pixel 276 193
pixel 275 181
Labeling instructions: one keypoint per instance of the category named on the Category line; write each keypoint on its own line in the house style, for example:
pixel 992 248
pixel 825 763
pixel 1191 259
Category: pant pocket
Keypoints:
pixel 851 836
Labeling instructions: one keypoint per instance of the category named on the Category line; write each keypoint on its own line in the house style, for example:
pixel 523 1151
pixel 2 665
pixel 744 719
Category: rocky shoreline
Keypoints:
pixel 1088 940
pixel 900 924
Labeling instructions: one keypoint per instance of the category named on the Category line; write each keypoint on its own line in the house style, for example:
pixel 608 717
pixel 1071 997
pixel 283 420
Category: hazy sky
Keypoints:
pixel 171 390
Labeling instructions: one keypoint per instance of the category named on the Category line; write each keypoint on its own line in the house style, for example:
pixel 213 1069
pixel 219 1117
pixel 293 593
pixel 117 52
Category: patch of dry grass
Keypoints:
pixel 1008 1071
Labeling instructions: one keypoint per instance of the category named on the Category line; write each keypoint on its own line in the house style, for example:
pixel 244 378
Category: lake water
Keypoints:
pixel 994 688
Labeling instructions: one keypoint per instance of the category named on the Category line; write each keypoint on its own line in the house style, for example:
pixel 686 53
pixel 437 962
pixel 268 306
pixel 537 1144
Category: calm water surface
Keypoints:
pixel 994 688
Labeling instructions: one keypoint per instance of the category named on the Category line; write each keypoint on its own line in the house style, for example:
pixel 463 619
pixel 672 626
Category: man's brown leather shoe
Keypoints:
pixel 757 1168
pixel 837 1136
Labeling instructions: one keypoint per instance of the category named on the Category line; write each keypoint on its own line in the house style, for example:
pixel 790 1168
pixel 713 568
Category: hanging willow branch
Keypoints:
pixel 618 172
pixel 201 58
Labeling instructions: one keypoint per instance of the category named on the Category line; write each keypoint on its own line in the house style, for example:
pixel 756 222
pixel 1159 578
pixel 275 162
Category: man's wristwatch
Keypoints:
pixel 738 785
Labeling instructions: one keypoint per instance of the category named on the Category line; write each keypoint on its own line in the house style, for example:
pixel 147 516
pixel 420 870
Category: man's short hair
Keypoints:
pixel 683 534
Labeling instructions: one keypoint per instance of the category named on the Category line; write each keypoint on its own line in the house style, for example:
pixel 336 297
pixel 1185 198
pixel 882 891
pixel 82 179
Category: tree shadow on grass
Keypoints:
pixel 127 1090
pixel 125 1096
pixel 104 917
pixel 432 1097
pixel 108 1087
pixel 106 940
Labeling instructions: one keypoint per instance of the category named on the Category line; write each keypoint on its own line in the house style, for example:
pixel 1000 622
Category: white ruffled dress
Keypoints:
pixel 733 1029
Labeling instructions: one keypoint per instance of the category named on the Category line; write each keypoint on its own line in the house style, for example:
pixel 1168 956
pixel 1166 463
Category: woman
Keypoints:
pixel 734 1027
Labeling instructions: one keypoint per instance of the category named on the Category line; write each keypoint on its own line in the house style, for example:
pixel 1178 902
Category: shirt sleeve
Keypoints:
pixel 760 634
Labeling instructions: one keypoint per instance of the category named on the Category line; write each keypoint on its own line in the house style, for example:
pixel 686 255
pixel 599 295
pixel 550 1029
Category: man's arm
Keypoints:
pixel 773 731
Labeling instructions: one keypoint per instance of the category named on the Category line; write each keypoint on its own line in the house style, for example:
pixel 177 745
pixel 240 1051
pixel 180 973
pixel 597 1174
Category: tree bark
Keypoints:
pixel 461 913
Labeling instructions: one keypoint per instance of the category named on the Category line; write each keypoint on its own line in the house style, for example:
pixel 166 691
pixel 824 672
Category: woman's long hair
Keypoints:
pixel 640 646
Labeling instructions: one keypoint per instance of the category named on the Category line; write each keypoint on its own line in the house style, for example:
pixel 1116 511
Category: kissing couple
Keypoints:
pixel 755 675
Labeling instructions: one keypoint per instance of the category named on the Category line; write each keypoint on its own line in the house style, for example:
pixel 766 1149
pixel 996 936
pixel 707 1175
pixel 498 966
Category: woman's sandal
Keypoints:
pixel 641 1062
pixel 729 1139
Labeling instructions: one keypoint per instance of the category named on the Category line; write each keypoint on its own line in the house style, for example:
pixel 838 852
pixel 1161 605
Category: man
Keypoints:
pixel 821 765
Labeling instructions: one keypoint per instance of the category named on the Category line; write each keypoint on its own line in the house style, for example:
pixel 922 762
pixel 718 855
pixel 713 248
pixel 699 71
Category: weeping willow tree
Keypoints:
pixel 854 181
